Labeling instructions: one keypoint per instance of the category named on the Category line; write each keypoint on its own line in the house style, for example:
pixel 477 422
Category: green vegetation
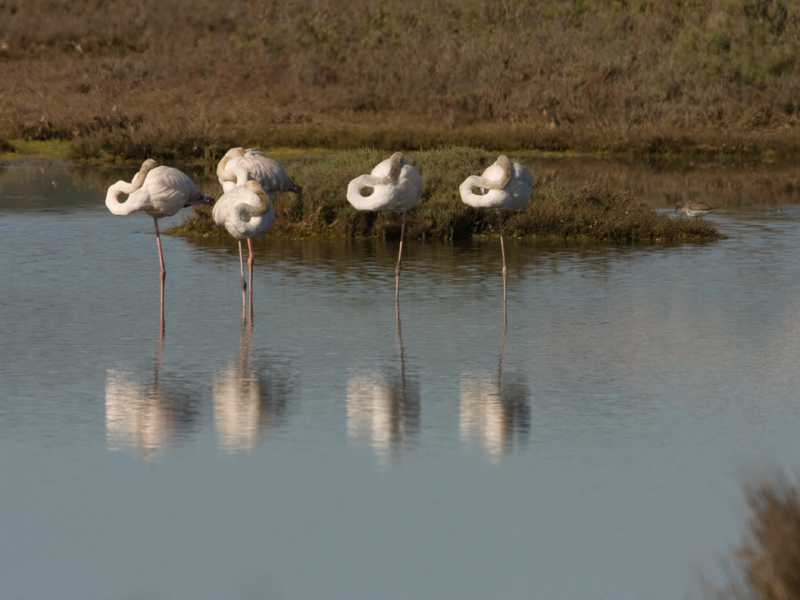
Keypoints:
pixel 187 79
pixel 594 213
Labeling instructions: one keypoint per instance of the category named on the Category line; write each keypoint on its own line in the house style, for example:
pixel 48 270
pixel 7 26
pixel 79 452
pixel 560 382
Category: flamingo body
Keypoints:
pixel 245 212
pixel 160 192
pixel 505 185
pixel 393 185
pixel 238 165
pixel 156 190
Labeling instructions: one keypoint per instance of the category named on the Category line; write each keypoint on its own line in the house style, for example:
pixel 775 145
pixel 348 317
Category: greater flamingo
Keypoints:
pixel 238 165
pixel 246 211
pixel 505 185
pixel 393 185
pixel 160 192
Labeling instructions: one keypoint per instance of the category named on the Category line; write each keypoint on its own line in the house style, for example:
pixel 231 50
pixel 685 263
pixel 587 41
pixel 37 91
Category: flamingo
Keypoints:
pixel 393 185
pixel 246 211
pixel 694 209
pixel 160 192
pixel 505 185
pixel 238 165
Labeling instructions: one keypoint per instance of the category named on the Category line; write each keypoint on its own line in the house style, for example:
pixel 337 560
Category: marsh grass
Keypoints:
pixel 186 79
pixel 766 564
pixel 594 213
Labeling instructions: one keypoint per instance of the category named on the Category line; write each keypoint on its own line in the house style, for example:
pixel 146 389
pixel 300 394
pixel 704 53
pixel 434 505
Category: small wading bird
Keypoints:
pixel 394 185
pixel 505 185
pixel 238 165
pixel 694 209
pixel 160 192
pixel 246 212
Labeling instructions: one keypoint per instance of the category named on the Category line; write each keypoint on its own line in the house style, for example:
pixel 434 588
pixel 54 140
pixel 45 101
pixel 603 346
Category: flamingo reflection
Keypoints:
pixel 246 402
pixel 383 405
pixel 495 408
pixel 147 413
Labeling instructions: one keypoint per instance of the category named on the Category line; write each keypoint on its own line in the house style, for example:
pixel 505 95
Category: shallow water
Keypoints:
pixel 339 449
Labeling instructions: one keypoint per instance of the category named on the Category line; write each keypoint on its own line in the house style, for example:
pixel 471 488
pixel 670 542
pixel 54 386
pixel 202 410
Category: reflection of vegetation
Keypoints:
pixel 595 212
pixel 767 563
pixel 132 80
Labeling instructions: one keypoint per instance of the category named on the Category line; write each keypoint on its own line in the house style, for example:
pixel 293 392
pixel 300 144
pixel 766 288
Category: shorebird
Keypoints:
pixel 694 209
pixel 393 185
pixel 238 165
pixel 505 185
pixel 245 212
pixel 160 192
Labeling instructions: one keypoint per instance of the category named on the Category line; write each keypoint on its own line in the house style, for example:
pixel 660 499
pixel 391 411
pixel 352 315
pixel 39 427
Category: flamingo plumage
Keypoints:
pixel 504 185
pixel 159 191
pixel 238 165
pixel 246 212
pixel 393 185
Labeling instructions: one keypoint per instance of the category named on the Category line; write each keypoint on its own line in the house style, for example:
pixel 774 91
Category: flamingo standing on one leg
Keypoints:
pixel 160 192
pixel 393 185
pixel 238 165
pixel 505 185
pixel 246 212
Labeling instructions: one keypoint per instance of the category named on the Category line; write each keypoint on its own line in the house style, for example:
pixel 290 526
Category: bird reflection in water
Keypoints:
pixel 147 413
pixel 495 408
pixel 383 405
pixel 246 401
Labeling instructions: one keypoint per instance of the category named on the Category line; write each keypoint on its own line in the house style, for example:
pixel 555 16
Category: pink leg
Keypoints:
pixel 399 258
pixel 244 284
pixel 503 252
pixel 250 260
pixel 163 269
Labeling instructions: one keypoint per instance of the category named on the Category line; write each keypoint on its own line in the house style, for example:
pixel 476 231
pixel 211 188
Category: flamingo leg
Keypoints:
pixel 399 258
pixel 250 260
pixel 244 284
pixel 241 268
pixel 503 252
pixel 163 270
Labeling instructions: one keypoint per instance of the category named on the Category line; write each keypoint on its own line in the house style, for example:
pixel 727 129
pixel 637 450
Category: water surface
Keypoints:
pixel 338 448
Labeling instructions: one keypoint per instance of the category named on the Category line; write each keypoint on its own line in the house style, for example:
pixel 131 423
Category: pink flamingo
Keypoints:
pixel 160 192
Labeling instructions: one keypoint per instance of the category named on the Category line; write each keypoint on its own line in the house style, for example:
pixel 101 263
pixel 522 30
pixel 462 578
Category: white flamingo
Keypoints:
pixel 238 165
pixel 246 211
pixel 160 192
pixel 505 185
pixel 393 185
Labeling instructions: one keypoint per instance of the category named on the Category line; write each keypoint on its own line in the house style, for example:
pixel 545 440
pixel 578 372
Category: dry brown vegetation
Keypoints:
pixel 190 78
pixel 767 563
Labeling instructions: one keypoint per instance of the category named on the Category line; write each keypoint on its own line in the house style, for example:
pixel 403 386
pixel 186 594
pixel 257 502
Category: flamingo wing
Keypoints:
pixel 268 172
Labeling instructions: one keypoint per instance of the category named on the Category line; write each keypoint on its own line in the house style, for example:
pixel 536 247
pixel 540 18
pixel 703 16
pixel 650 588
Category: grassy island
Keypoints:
pixel 594 213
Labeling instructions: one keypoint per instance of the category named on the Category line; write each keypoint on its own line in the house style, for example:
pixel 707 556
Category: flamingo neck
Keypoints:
pixel 498 184
pixel 264 203
pixel 242 175
pixel 118 189
pixel 223 172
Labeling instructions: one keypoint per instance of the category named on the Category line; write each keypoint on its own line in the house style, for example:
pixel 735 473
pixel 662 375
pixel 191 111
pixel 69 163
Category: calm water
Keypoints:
pixel 595 449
